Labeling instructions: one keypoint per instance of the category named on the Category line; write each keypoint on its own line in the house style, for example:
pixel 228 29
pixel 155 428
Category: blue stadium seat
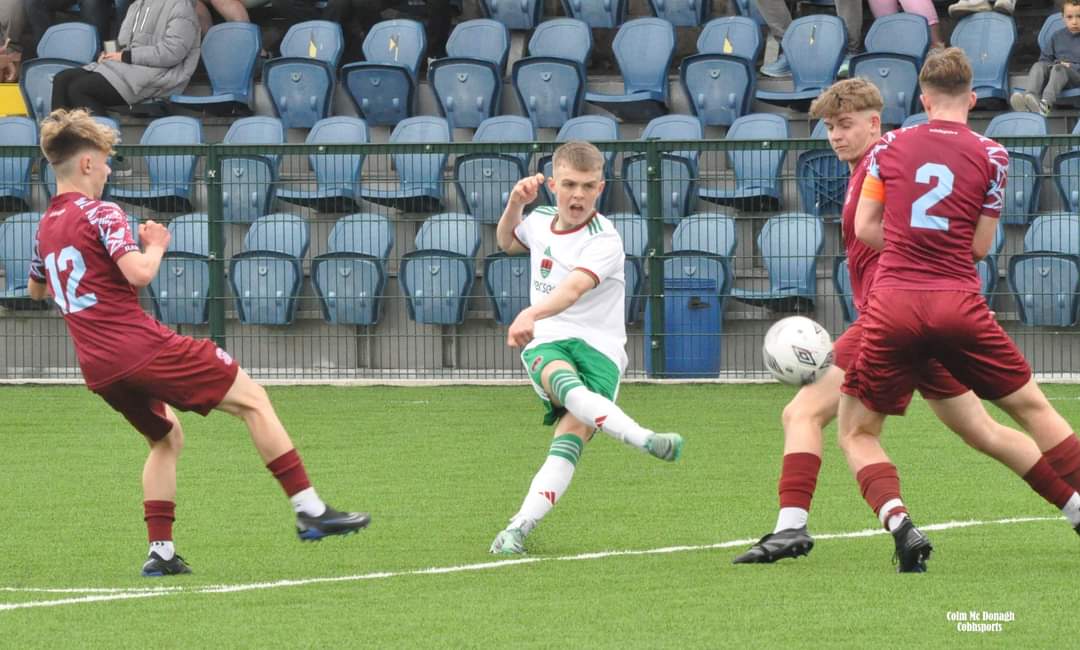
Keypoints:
pixel 822 177
pixel 420 186
pixel 484 182
pixel 731 35
pixel 591 128
pixel 604 14
pixel 720 87
pixel 301 81
pixel 1046 287
pixel 515 14
pixel 15 170
pixel 17 235
pixel 815 47
pixel 350 278
pixel 229 53
pixel 180 289
pixel 171 175
pixel 634 232
pixel 48 177
pixel 842 283
pixel 468 83
pixel 1055 233
pixel 267 274
pixel 248 182
pixel 337 175
pixel 643 49
pixel 756 185
pixel 437 277
pixel 916 119
pixel 506 279
pixel 550 82
pixel 720 79
pixel 501 129
pixel 682 13
pixel 896 76
pixel 1067 175
pixel 63 46
pixel 988 277
pixel 701 249
pixel 1025 164
pixel 899 33
pixel 679 169
pixel 384 86
pixel 988 39
pixel 789 245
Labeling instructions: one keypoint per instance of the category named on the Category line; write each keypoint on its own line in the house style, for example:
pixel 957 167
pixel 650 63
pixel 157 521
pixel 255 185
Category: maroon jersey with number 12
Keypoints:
pixel 78 243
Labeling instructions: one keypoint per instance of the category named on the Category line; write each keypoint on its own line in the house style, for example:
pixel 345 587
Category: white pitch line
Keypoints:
pixel 105 594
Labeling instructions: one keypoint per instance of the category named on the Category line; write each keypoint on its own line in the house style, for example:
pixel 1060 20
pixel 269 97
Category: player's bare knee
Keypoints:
pixel 804 412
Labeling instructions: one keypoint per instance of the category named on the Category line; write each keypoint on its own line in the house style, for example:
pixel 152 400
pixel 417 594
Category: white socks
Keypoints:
pixel 790 518
pixel 1071 510
pixel 550 482
pixel 307 502
pixel 165 550
pixel 597 410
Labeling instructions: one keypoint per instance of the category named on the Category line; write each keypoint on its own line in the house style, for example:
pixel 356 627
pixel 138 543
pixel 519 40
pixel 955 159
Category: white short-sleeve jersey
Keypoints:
pixel 594 247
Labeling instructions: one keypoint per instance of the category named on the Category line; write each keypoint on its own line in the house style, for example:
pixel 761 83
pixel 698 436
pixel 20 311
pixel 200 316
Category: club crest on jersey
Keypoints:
pixel 546 263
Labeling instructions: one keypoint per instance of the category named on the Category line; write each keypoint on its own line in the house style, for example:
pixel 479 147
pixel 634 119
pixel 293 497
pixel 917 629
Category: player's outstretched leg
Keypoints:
pixel 812 408
pixel 159 494
pixel 314 518
pixel 595 409
pixel 547 486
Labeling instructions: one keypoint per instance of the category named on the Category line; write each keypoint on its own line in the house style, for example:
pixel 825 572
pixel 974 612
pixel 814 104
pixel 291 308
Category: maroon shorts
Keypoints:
pixel 904 330
pixel 188 374
pixel 934 381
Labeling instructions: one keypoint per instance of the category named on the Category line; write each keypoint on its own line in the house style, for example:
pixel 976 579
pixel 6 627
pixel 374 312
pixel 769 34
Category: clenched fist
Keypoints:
pixel 526 190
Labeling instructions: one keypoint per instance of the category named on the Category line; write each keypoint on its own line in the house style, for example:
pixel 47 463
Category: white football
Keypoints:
pixel 797 350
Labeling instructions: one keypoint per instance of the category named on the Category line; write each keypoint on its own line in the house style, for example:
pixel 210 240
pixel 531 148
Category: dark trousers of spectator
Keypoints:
pixel 79 88
pixel 39 14
pixel 1047 80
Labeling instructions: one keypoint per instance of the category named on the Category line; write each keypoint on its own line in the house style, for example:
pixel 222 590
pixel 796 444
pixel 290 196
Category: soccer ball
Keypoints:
pixel 797 350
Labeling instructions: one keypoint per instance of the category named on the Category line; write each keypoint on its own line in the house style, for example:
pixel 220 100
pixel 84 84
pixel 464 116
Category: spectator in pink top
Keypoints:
pixel 924 8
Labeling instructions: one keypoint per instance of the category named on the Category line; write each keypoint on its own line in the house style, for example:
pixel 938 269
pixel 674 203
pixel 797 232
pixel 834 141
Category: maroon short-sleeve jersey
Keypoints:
pixel 938 179
pixel 78 243
pixel 862 260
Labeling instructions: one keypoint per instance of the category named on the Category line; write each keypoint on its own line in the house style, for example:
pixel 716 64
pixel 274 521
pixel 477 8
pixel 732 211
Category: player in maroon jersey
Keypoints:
pixel 930 203
pixel 852 113
pixel 86 258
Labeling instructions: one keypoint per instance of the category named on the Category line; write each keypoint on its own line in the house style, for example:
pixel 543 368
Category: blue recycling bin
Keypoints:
pixel 693 311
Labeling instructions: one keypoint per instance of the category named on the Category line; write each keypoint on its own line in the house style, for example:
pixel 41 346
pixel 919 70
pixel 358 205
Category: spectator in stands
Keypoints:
pixel 777 17
pixel 160 49
pixel 1054 70
pixel 964 7
pixel 924 8
pixel 231 10
pixel 12 24
pixel 40 15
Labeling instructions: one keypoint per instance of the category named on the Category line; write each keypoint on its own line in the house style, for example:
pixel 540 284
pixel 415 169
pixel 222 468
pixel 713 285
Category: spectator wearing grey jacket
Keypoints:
pixel 160 49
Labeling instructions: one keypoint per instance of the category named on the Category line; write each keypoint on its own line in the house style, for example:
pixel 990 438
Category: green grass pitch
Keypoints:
pixel 442 468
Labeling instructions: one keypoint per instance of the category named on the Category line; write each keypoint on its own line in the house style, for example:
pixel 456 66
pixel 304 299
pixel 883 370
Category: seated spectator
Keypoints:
pixel 160 49
pixel 12 23
pixel 777 17
pixel 41 15
pixel 965 7
pixel 1055 70
pixel 924 8
pixel 231 10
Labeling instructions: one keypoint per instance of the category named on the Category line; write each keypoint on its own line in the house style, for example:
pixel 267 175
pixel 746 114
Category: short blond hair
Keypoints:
pixel 847 96
pixel 947 72
pixel 65 133
pixel 578 155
